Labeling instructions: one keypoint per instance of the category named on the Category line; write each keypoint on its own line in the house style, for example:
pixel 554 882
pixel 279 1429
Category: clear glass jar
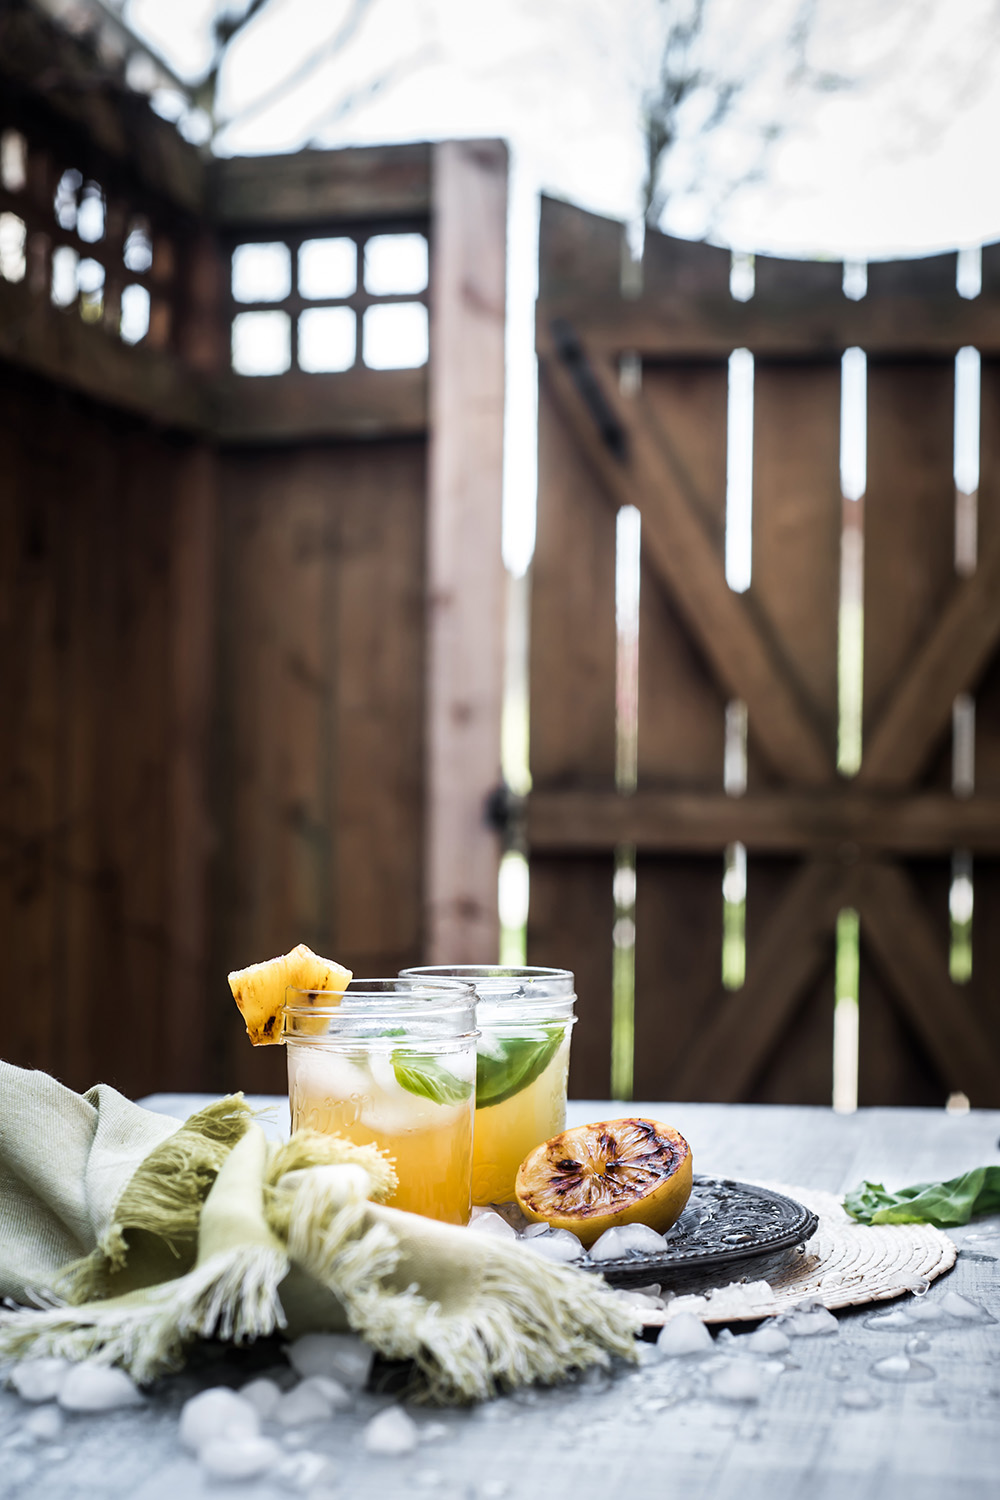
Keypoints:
pixel 392 1061
pixel 525 1017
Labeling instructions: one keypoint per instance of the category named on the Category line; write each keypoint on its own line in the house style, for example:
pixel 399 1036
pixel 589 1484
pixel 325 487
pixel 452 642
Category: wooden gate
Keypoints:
pixel 634 401
pixel 250 613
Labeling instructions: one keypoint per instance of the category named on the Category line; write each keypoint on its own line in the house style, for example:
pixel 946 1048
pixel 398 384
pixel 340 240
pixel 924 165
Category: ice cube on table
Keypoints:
pixel 684 1334
pixel 263 1395
pixel 314 1399
pixel 956 1306
pixel 738 1380
pixel 216 1413
pixel 39 1379
pixel 627 1239
pixel 767 1339
pixel 492 1224
pixel 805 1323
pixel 391 1433
pixel 301 1471
pixel 900 1368
pixel 45 1423
pixel 238 1457
pixel 550 1248
pixel 94 1387
pixel 338 1356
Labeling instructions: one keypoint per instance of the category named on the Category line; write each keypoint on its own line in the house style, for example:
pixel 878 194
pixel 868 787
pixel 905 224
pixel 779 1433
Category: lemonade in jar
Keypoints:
pixel 393 1062
pixel 525 1017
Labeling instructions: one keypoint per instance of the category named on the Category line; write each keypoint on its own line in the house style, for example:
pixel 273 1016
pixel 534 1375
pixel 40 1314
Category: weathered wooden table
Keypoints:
pixel 653 1432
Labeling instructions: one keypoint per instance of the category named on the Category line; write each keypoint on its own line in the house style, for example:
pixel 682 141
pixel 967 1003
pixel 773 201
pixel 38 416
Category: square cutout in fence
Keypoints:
pixel 64 203
pixel 328 339
pixel 64 284
pixel 90 283
pixel 395 264
pixel 134 323
pixel 12 238
pixel 395 336
pixel 262 343
pixel 90 214
pixel 138 253
pixel 13 161
pixel 328 268
pixel 262 273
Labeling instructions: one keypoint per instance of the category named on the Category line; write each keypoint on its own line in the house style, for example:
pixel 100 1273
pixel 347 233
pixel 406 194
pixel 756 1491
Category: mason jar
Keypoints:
pixel 393 1062
pixel 525 1017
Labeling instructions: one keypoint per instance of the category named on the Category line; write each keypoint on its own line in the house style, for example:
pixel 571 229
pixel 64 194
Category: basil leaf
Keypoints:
pixel 941 1203
pixel 512 1063
pixel 428 1080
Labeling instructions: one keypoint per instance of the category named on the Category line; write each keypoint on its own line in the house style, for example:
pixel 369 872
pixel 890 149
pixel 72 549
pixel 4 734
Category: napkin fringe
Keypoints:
pixel 233 1296
pixel 521 1320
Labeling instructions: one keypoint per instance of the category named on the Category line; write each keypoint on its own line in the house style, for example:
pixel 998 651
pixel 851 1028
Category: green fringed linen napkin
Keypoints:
pixel 126 1235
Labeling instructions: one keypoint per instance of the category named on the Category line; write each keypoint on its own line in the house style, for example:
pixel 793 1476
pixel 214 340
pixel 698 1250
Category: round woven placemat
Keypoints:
pixel 843 1265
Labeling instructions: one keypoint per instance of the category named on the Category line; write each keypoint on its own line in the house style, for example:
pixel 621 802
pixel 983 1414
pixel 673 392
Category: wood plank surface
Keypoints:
pixel 190 1036
pixel 797 524
pixel 744 1027
pixel 678 966
pixel 898 936
pixel 681 706
pixel 917 1440
pixel 909 522
pixel 842 821
pixel 726 624
pixel 466 592
pixel 358 182
pixel 375 755
pixel 321 716
pixel 570 919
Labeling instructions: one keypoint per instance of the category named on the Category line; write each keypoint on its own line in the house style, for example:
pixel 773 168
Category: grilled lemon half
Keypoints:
pixel 259 990
pixel 592 1177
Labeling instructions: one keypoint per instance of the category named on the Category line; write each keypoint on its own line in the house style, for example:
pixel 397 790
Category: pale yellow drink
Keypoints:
pixel 506 1132
pixel 525 1017
pixel 413 1096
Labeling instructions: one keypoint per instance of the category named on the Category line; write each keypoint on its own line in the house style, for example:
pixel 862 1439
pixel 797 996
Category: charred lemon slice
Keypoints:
pixel 593 1177
pixel 259 990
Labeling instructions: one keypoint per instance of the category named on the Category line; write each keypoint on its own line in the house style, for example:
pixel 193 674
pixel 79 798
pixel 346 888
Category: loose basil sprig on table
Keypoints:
pixel 940 1203
pixel 511 1063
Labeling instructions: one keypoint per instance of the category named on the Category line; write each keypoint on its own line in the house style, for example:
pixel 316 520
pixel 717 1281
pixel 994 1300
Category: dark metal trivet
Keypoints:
pixel 729 1231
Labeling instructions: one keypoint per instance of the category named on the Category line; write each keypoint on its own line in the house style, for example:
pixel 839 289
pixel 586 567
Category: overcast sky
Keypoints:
pixel 884 141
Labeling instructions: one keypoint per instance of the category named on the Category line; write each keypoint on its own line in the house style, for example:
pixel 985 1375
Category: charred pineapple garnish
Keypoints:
pixel 259 990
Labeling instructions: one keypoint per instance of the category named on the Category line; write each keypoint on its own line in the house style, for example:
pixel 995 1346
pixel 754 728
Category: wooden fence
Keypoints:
pixel 251 625
pixel 634 402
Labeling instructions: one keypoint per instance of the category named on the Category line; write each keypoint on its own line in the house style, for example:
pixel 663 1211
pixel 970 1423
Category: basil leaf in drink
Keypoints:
pixel 428 1080
pixel 511 1063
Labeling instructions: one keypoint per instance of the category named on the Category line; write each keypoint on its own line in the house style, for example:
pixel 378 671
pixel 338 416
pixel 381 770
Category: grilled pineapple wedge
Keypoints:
pixel 259 990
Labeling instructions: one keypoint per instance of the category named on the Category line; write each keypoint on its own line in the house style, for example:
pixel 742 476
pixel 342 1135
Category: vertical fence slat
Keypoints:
pixel 34 728
pixel 573 729
pixel 377 769
pixel 279 843
pixel 986 872
pixel 797 523
pixel 909 572
pixel 681 743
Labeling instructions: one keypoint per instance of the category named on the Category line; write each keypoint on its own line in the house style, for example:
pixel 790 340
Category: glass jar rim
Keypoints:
pixel 428 998
pixel 529 986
